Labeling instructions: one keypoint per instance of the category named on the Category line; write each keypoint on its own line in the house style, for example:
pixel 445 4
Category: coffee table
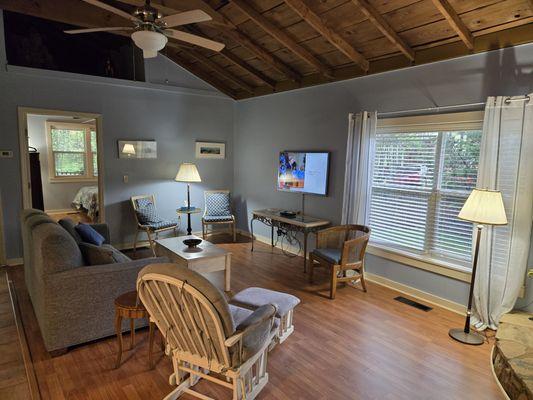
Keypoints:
pixel 204 259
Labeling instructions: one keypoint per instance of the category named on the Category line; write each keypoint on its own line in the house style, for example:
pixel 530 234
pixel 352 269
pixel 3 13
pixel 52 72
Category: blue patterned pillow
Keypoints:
pixel 147 214
pixel 217 204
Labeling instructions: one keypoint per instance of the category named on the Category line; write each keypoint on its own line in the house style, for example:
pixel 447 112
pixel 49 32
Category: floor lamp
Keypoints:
pixel 188 173
pixel 483 207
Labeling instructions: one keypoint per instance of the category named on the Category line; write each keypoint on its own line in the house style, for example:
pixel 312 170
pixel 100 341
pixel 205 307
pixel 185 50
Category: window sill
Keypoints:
pixel 73 180
pixel 438 267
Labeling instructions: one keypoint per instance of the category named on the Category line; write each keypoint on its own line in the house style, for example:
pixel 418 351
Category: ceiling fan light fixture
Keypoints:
pixel 149 42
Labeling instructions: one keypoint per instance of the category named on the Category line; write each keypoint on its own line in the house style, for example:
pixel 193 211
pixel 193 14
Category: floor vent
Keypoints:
pixel 413 303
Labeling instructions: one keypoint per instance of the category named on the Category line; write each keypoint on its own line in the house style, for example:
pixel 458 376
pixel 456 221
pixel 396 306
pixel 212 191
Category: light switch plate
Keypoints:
pixel 6 154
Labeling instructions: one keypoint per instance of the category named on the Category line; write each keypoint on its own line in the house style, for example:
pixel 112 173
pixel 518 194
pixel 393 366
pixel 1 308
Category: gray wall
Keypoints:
pixel 56 195
pixel 173 117
pixel 316 119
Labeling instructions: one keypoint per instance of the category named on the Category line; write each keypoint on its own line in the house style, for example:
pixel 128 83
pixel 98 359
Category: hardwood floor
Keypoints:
pixel 76 216
pixel 358 346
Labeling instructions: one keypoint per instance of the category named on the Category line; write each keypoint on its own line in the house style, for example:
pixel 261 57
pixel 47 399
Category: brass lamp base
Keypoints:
pixel 472 338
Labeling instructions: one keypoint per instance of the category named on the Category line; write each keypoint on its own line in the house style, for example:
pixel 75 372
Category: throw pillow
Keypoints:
pixel 218 204
pixel 89 234
pixel 148 215
pixel 102 255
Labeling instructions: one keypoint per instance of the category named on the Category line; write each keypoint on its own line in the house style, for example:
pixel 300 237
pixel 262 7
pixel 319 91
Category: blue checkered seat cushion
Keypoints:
pixel 148 216
pixel 217 207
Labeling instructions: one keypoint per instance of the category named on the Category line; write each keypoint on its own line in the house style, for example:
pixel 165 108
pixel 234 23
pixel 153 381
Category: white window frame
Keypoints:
pixel 424 123
pixel 89 154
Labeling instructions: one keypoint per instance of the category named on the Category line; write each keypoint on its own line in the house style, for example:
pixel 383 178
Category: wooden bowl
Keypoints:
pixel 191 243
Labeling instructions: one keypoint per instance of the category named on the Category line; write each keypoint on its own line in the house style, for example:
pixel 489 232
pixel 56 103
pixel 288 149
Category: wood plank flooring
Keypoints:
pixel 359 346
pixel 13 378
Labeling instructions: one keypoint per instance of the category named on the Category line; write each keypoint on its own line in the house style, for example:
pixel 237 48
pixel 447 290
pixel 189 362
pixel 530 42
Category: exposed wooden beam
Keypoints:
pixel 202 74
pixel 227 28
pixel 207 62
pixel 379 22
pixel 333 37
pixel 456 23
pixel 237 61
pixel 281 36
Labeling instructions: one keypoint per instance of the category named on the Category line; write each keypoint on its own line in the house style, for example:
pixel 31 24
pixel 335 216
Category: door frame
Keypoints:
pixel 24 153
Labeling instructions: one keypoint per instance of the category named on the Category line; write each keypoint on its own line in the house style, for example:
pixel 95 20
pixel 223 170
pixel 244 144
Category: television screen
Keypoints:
pixel 303 172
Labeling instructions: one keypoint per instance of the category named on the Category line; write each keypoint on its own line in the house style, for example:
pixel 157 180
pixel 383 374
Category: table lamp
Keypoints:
pixel 188 173
pixel 483 207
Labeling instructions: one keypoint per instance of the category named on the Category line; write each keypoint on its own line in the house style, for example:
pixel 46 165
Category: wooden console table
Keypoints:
pixel 300 223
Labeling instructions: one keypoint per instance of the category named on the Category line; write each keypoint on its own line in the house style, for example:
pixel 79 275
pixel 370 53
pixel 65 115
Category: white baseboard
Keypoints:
pixel 416 293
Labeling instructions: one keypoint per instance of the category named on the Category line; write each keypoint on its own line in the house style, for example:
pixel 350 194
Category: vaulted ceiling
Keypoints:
pixel 278 45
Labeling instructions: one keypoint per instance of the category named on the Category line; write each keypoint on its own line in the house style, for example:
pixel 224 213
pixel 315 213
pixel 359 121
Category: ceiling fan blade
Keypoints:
pixel 89 30
pixel 184 18
pixel 197 40
pixel 112 9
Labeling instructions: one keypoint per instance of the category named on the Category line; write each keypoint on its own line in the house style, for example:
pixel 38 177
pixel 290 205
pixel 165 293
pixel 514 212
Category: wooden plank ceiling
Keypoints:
pixel 278 45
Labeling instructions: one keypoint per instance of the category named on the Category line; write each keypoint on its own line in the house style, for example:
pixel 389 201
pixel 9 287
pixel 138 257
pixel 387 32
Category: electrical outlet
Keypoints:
pixel 125 178
pixel 6 154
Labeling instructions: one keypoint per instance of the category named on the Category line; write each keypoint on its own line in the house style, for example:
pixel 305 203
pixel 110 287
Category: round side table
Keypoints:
pixel 129 306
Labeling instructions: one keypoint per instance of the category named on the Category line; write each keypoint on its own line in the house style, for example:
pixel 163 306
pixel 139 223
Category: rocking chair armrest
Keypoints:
pixel 250 324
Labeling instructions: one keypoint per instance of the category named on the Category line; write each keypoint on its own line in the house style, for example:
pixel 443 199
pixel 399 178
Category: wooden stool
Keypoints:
pixel 129 306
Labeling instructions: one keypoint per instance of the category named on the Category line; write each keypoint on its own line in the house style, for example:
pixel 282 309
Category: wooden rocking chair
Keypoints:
pixel 204 335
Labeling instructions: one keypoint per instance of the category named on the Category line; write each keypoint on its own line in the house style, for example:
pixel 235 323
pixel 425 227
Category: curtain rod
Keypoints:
pixel 417 110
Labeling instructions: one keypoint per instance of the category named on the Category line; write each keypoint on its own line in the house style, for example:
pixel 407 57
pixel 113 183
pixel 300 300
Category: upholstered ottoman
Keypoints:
pixel 255 297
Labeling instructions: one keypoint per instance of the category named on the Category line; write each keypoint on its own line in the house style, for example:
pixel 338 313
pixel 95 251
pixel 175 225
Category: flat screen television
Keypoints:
pixel 303 172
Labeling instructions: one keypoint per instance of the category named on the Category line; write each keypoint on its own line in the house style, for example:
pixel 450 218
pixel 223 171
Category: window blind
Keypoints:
pixel 419 184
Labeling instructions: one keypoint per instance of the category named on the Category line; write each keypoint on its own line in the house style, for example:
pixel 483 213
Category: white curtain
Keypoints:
pixel 358 175
pixel 506 164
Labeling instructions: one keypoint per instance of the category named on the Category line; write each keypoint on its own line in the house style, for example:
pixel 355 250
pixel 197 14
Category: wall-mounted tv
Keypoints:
pixel 303 172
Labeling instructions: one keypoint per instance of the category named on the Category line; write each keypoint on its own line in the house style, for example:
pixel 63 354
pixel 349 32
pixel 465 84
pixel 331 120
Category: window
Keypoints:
pixel 72 151
pixel 424 169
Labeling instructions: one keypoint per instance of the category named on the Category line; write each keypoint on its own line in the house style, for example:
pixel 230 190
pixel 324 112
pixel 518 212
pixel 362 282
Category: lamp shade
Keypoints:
pixel 484 207
pixel 128 149
pixel 188 173
pixel 150 42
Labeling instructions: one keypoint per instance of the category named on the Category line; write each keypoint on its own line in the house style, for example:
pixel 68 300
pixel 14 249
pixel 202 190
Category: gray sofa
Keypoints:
pixel 73 303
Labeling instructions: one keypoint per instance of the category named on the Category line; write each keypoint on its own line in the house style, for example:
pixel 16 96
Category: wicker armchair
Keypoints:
pixel 341 249
pixel 205 336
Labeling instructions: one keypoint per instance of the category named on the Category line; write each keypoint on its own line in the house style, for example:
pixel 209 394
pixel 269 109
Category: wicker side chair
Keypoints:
pixel 206 337
pixel 341 249
pixel 152 228
pixel 217 212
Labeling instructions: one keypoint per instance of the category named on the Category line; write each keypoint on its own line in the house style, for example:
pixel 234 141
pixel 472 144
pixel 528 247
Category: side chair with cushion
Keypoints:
pixel 148 220
pixel 217 211
pixel 206 337
pixel 341 249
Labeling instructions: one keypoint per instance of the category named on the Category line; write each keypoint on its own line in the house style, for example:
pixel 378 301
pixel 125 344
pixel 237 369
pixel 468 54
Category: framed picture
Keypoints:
pixel 210 150
pixel 137 149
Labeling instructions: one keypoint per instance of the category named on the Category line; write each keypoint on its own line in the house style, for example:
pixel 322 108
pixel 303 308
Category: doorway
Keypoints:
pixel 62 163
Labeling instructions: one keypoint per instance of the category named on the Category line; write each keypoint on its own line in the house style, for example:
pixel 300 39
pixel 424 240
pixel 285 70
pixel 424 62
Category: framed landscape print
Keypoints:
pixel 137 149
pixel 210 150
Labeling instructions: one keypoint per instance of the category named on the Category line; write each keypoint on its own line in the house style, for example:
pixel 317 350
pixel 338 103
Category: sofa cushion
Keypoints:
pixel 89 235
pixel 70 226
pixel 102 255
pixel 56 250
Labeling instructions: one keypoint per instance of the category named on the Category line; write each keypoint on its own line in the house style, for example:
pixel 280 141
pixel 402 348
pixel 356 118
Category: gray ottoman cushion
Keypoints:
pixel 255 297
pixel 239 314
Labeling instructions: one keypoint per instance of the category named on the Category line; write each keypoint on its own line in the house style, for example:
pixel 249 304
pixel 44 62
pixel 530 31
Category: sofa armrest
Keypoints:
pixel 78 304
pixel 102 229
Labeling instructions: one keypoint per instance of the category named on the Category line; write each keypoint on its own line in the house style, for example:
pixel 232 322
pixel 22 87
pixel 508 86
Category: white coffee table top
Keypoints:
pixel 203 250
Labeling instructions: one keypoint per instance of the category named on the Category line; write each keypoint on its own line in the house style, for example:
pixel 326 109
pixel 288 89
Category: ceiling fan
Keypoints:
pixel 151 28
